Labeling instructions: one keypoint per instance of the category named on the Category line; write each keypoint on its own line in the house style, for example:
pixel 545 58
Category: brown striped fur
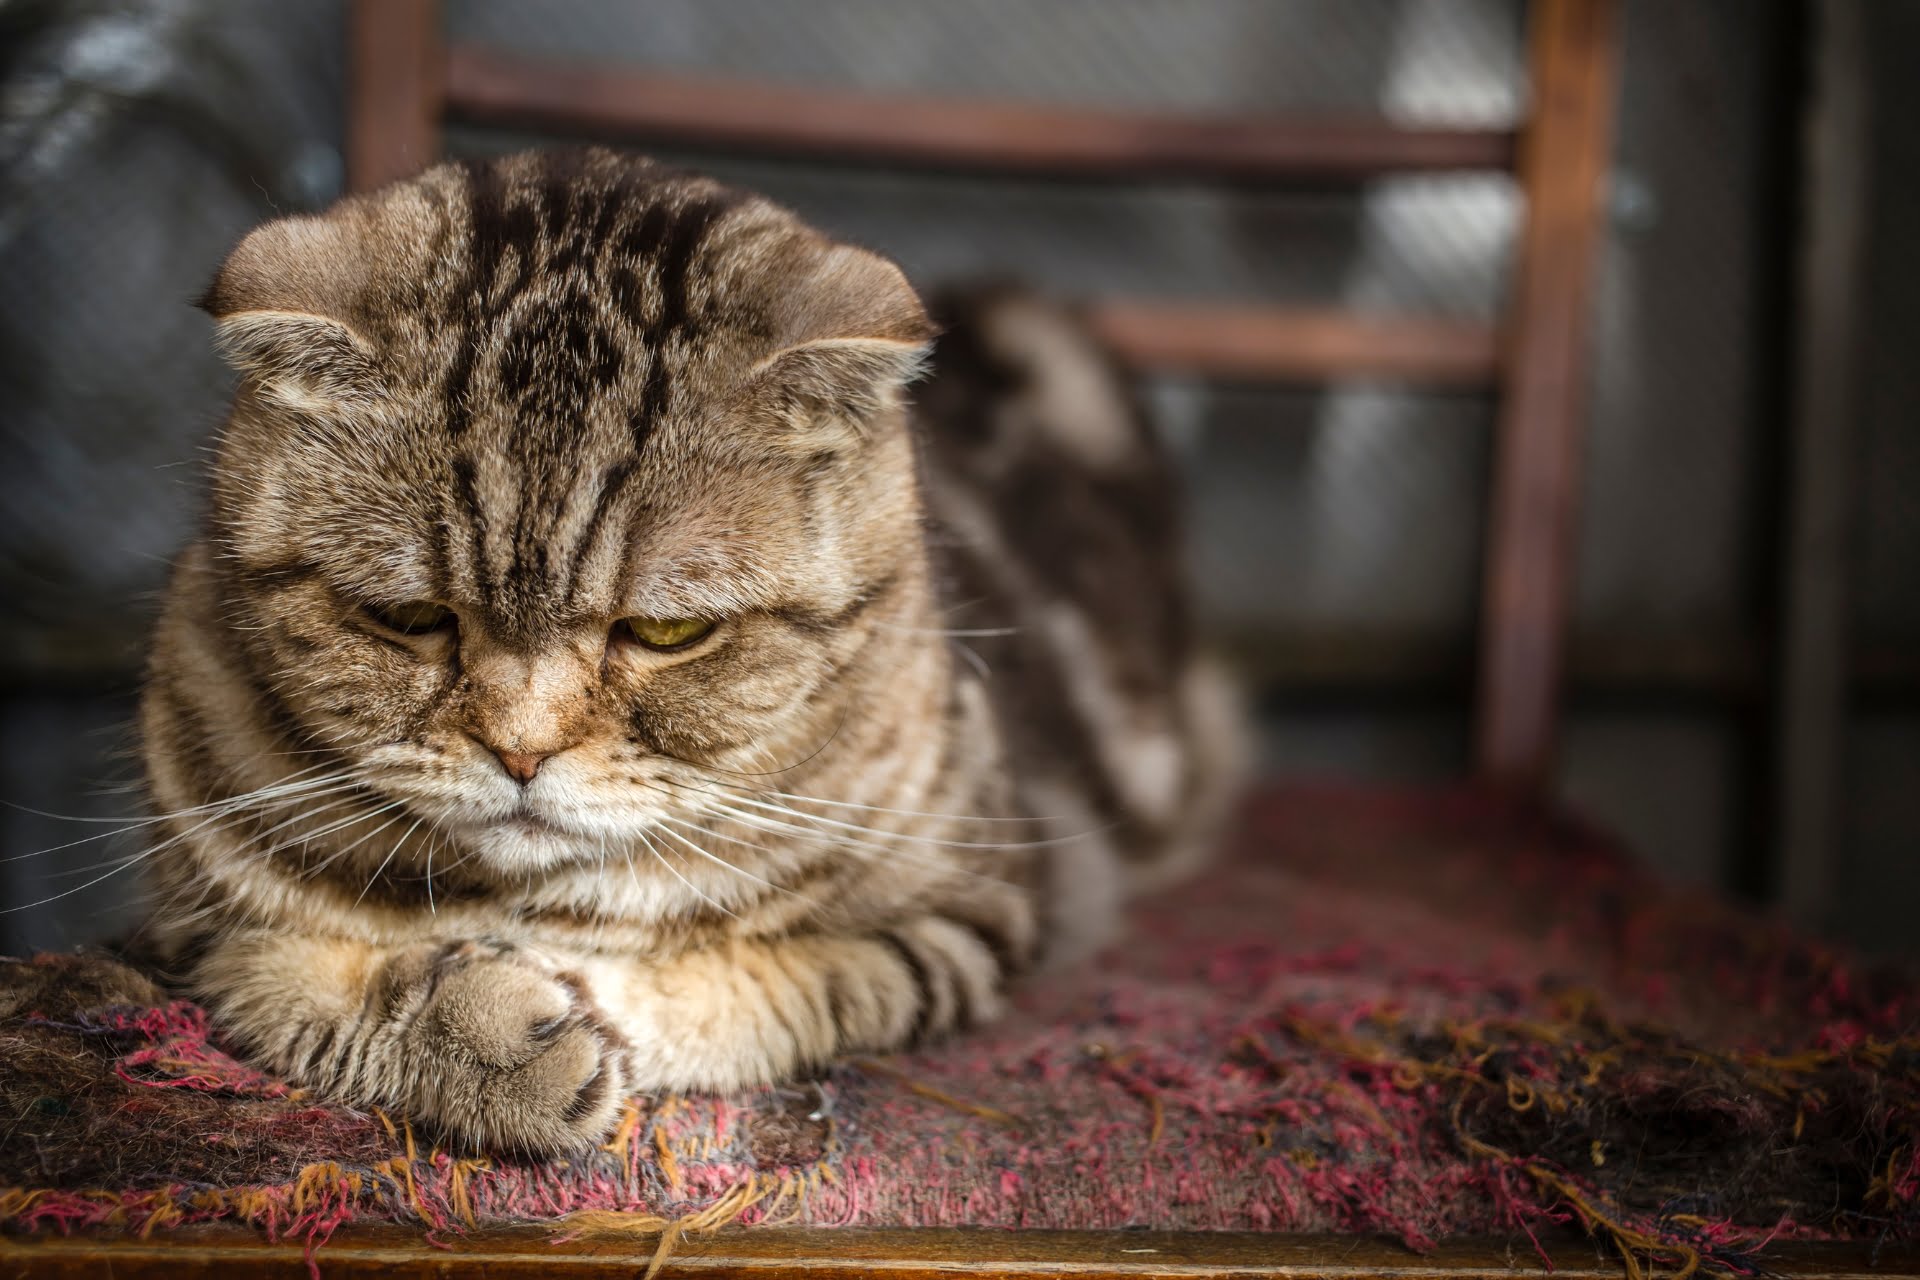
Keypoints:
pixel 553 391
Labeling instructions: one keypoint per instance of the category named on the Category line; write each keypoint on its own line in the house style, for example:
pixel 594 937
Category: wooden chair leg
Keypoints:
pixel 396 89
pixel 1530 546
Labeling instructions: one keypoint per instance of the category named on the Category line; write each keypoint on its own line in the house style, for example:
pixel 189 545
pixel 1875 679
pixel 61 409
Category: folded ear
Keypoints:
pixel 284 304
pixel 827 394
pixel 854 333
pixel 845 292
pixel 303 362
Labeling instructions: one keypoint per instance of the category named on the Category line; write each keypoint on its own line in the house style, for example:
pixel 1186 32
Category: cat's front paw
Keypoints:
pixel 511 1053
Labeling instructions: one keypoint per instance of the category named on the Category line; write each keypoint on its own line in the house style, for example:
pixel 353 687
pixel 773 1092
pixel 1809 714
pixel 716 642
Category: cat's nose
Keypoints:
pixel 521 765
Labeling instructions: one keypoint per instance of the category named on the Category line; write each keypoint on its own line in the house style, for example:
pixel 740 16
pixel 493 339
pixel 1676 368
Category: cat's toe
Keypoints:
pixel 566 1098
pixel 576 1087
pixel 500 1010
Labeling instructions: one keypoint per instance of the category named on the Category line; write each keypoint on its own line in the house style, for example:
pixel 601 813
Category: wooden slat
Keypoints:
pixel 395 60
pixel 1268 344
pixel 1537 447
pixel 783 1253
pixel 1811 707
pixel 492 87
pixel 1354 666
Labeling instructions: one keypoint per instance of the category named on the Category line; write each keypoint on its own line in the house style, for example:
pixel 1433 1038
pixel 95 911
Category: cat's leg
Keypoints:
pixel 492 1044
pixel 507 1047
pixel 753 1010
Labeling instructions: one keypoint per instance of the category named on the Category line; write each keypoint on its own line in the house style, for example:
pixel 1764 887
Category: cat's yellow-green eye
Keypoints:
pixel 412 617
pixel 663 633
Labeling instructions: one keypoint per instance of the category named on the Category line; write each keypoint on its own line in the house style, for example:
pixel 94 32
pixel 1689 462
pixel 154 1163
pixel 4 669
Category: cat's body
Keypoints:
pixel 586 681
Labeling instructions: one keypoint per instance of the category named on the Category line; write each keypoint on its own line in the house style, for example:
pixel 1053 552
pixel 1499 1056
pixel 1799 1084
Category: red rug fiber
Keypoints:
pixel 1414 1013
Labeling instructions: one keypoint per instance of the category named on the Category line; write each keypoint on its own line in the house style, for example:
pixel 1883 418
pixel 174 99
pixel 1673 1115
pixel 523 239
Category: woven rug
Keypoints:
pixel 1419 1014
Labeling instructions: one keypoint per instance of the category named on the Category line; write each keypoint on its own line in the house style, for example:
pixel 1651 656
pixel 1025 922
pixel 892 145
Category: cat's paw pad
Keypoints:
pixel 520 1057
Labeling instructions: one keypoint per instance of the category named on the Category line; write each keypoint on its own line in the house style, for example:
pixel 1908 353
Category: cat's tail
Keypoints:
pixel 1064 511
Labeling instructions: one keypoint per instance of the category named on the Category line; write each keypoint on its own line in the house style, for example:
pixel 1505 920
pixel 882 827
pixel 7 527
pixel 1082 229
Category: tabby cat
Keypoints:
pixel 593 676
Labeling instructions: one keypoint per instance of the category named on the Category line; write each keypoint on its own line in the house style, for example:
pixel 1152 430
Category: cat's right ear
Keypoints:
pixel 283 302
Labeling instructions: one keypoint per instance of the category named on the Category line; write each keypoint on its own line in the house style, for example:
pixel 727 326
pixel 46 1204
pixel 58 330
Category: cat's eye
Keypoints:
pixel 412 617
pixel 663 633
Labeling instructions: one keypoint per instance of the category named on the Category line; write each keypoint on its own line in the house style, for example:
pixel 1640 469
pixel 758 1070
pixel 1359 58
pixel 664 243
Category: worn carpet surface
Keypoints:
pixel 1418 1014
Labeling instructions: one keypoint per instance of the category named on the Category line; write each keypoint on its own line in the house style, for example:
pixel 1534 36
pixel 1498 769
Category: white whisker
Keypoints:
pixel 867 808
pixel 391 853
pixel 265 797
pixel 232 814
pixel 340 853
pixel 216 818
pixel 974 660
pixel 902 835
pixel 945 866
pixel 681 822
pixel 289 780
pixel 982 633
pixel 658 857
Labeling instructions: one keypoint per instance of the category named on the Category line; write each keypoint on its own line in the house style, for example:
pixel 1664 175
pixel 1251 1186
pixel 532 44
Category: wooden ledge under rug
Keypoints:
pixel 785 1253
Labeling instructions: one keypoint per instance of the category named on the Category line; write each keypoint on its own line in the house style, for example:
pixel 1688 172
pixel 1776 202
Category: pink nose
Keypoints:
pixel 521 765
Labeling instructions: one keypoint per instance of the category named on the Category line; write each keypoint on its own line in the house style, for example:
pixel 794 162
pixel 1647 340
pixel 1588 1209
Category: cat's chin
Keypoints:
pixel 525 843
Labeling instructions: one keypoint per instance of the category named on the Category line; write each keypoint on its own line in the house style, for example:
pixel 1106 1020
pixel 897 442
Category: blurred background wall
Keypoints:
pixel 1337 531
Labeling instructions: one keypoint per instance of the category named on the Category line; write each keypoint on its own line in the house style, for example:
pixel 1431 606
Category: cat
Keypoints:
pixel 598 672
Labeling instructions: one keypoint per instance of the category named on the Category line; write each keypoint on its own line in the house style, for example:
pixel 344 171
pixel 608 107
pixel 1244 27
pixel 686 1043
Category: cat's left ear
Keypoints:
pixel 854 335
pixel 283 301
